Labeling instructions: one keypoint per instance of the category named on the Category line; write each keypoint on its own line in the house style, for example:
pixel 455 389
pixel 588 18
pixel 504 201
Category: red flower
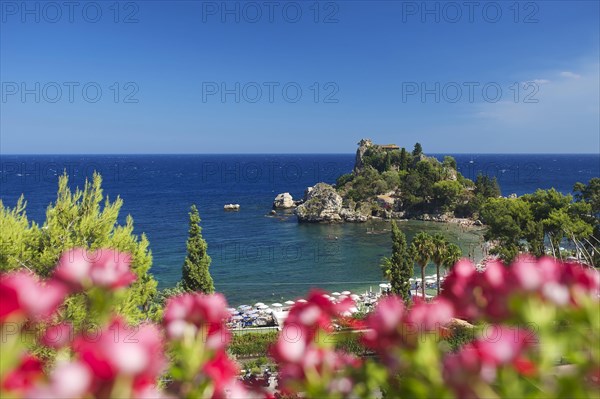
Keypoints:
pixel 24 375
pixel 222 371
pixel 525 367
pixel 10 300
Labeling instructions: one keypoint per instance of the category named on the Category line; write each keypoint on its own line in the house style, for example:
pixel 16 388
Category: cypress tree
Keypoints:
pixel 195 274
pixel 401 266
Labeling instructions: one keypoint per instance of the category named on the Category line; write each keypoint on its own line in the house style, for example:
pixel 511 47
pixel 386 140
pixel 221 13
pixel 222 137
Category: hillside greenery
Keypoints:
pixel 417 184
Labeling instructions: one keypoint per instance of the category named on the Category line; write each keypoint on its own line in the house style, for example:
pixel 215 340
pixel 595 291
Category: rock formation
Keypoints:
pixel 360 152
pixel 322 204
pixel 284 201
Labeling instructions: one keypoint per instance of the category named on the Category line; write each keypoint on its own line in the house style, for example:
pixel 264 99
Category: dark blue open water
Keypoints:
pixel 256 257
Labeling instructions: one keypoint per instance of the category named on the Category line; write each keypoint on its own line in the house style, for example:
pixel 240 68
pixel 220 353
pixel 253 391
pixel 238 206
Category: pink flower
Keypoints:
pixel 425 316
pixel 73 268
pixel 193 312
pixel 107 268
pixel 58 336
pixel 501 345
pixel 67 380
pixel 35 299
pixel 111 269
pixel 122 350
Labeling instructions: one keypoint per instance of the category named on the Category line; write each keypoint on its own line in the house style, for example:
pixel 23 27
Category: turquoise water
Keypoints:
pixel 257 257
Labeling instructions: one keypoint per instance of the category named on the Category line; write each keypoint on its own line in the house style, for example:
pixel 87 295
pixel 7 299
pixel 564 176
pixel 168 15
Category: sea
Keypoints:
pixel 256 256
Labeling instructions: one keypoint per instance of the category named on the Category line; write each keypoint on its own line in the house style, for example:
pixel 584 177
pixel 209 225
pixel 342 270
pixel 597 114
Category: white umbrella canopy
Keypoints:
pixel 346 292
pixel 258 304
pixel 355 297
pixel 276 305
pixel 289 302
pixel 263 306
pixel 342 297
pixel 336 293
pixel 383 285
pixel 326 296
pixel 301 301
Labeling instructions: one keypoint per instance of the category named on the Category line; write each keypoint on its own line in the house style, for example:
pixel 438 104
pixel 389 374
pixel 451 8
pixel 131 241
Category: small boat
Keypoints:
pixel 231 207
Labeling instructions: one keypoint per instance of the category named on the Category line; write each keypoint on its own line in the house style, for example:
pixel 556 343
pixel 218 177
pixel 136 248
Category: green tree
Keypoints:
pixel 447 194
pixel 399 268
pixel 195 274
pixel 83 218
pixel 440 246
pixel 422 249
pixel 452 254
pixel 403 159
pixel 418 150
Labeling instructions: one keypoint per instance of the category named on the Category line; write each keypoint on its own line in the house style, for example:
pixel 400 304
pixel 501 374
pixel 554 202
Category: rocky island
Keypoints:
pixel 389 182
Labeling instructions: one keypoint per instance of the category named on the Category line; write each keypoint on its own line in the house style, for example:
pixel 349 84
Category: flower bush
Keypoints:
pixel 535 332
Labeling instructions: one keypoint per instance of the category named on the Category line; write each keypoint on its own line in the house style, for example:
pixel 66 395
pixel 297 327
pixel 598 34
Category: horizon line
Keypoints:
pixel 283 153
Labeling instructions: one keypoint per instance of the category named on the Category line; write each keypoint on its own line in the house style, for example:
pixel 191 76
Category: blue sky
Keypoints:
pixel 301 77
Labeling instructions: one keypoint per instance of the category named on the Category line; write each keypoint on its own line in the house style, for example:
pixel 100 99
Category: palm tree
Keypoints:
pixel 440 246
pixel 452 255
pixel 422 246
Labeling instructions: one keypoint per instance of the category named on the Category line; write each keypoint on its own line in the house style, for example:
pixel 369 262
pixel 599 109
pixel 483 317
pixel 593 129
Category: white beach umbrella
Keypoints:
pixel 346 292
pixel 342 297
pixel 258 304
pixel 336 293
pixel 262 307
pixel 301 301
pixel 355 297
pixel 331 298
pixel 289 302
pixel 411 280
pixel 383 285
pixel 326 296
pixel 276 305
